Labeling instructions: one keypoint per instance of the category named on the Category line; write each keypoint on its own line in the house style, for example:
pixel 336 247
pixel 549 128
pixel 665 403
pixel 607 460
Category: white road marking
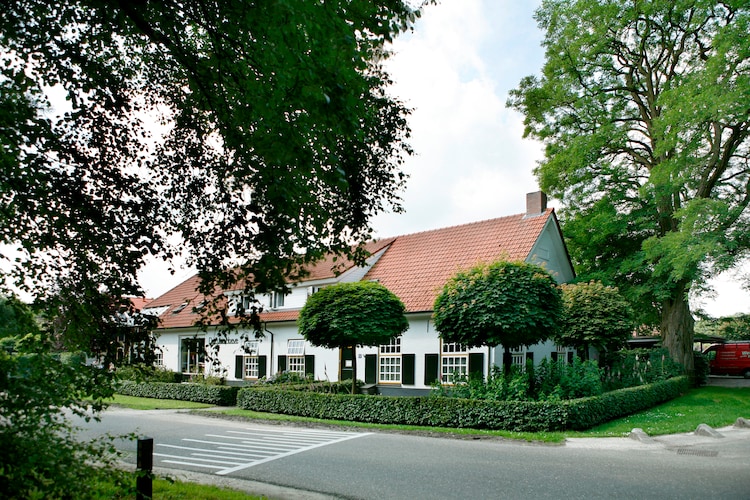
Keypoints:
pixel 250 447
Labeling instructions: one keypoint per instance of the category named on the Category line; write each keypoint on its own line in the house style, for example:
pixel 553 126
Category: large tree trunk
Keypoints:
pixel 677 327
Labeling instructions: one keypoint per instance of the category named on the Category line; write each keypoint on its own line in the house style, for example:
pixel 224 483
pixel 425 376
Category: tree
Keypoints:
pixel 260 134
pixel 42 455
pixel 735 327
pixel 643 110
pixel 508 303
pixel 361 313
pixel 594 315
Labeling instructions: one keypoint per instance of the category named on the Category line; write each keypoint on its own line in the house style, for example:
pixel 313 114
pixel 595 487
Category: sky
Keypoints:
pixel 471 163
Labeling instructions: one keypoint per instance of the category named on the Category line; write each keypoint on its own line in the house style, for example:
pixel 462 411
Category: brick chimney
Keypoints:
pixel 536 203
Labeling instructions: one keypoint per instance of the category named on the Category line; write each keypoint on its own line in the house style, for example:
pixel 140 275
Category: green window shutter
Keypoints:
pixel 282 364
pixel 553 356
pixel 431 373
pixel 262 368
pixel 476 363
pixel 407 369
pixel 530 358
pixel 371 368
pixel 239 367
pixel 310 365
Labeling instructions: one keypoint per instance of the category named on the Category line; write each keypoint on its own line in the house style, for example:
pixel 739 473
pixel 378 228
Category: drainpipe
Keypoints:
pixel 270 364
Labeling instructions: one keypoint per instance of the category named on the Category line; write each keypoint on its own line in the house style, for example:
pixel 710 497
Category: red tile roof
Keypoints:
pixel 415 266
pixel 139 302
pixel 187 291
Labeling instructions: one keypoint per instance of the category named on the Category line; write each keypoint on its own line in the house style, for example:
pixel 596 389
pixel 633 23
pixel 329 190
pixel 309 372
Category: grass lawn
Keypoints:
pixel 154 404
pixel 715 406
pixel 167 490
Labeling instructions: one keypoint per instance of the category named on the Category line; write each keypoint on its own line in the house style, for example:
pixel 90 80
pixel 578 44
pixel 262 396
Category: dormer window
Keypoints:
pixel 179 308
pixel 277 300
pixel 314 289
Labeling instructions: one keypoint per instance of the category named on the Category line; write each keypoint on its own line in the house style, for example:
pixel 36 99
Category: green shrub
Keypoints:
pixel 517 416
pixel 556 380
pixel 629 368
pixel 701 369
pixel 295 382
pixel 550 380
pixel 434 412
pixel 43 456
pixel 147 373
pixel 199 393
pixel 584 413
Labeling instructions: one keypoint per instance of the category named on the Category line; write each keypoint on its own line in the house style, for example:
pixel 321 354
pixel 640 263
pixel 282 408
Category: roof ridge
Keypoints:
pixel 474 223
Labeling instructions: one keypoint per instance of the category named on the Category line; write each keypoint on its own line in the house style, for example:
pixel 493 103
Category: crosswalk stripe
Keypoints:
pixel 248 448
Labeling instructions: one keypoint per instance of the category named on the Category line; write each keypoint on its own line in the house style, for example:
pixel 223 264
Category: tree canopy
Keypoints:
pixel 735 327
pixel 594 315
pixel 361 313
pixel 259 135
pixel 643 110
pixel 508 303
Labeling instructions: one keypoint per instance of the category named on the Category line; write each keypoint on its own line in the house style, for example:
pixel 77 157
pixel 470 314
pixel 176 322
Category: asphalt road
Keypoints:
pixel 284 461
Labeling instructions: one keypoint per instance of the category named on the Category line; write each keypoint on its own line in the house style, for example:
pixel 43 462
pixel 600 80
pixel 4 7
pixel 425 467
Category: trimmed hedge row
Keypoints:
pixel 429 411
pixel 344 387
pixel 517 416
pixel 199 393
pixel 585 413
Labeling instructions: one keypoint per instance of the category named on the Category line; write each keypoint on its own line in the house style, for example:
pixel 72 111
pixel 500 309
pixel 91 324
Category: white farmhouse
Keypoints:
pixel 414 267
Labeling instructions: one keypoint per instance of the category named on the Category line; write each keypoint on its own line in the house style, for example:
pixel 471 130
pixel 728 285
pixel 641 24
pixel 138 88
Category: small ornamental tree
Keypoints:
pixel 362 313
pixel 508 303
pixel 595 315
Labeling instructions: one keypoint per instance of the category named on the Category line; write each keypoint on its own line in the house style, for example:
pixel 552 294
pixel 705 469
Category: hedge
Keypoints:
pixel 517 416
pixel 199 393
pixel 585 413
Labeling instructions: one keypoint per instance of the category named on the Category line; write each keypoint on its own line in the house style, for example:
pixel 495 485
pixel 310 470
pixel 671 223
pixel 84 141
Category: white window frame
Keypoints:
pixel 295 356
pixel 158 357
pixel 276 300
pixel 453 358
pixel 296 364
pixel 389 362
pixel 562 353
pixel 518 356
pixel 251 347
pixel 250 367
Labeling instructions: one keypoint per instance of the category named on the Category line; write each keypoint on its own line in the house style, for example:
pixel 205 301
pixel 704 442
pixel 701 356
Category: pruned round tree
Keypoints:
pixel 345 315
pixel 595 315
pixel 505 303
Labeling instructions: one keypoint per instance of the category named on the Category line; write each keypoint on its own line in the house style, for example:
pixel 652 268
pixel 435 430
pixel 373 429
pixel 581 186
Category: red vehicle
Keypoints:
pixel 732 358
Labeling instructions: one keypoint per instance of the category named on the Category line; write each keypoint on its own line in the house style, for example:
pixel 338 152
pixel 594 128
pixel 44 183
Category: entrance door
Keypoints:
pixel 192 355
pixel 346 362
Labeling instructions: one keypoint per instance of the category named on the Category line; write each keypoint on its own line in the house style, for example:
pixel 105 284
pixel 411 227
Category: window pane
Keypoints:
pixel 251 366
pixel 390 368
pixel 454 365
pixel 296 364
pixel 296 347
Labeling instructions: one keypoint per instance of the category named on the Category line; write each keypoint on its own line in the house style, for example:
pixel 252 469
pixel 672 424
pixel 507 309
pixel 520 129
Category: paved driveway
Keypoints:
pixel 726 381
